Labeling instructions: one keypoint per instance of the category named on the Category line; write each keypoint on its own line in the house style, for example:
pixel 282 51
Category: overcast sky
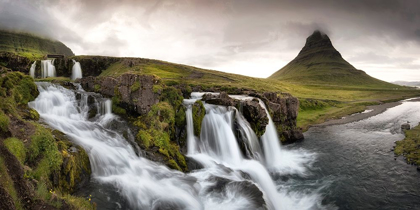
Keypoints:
pixel 249 37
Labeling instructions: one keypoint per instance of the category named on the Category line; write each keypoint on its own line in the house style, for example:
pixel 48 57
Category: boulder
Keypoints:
pixel 405 126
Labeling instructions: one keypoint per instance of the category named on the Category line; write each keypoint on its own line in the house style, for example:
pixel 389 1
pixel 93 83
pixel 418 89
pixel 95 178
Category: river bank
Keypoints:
pixel 370 111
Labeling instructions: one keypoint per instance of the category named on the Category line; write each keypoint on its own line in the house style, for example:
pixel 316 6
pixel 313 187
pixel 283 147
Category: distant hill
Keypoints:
pixel 31 46
pixel 320 63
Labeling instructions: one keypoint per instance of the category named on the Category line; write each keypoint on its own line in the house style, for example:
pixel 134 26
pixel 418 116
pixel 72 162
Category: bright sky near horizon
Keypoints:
pixel 249 37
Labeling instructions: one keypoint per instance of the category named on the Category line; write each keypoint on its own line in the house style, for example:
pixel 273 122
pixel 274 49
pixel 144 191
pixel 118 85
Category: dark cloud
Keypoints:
pixel 226 34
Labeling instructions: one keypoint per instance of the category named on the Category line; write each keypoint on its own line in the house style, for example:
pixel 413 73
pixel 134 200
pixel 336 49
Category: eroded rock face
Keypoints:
pixel 134 93
pixel 15 62
pixel 284 111
pixel 251 109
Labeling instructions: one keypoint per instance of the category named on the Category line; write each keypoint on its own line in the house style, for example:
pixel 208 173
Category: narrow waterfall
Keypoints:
pixel 190 129
pixel 106 107
pixel 47 69
pixel 271 142
pixel 32 70
pixel 76 71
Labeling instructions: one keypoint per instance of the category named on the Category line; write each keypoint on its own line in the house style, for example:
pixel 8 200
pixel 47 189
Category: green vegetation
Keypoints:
pixel 4 122
pixel 7 183
pixel 31 46
pixel 347 98
pixel 135 86
pixel 41 154
pixel 409 147
pixel 198 112
pixel 157 128
pixel 17 148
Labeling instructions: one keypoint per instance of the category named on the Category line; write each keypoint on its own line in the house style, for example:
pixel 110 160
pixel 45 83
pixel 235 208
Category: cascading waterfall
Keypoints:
pixel 217 145
pixel 76 71
pixel 143 183
pixel 227 181
pixel 48 69
pixel 32 70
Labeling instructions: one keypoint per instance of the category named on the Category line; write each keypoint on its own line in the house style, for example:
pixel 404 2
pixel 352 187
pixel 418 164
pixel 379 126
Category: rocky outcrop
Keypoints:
pixel 15 62
pixel 251 109
pixel 134 93
pixel 284 111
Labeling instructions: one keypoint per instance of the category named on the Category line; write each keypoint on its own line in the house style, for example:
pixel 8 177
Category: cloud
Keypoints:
pixel 249 37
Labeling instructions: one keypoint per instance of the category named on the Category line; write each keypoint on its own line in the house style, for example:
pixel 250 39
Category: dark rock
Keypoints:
pixel 221 99
pixel 245 189
pixel 251 109
pixel 405 126
pixel 135 100
pixel 283 109
pixel 15 62
pixel 255 115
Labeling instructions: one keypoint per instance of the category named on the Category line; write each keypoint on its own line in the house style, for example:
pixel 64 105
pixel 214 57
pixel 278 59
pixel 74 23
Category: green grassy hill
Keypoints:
pixel 320 63
pixel 347 91
pixel 31 46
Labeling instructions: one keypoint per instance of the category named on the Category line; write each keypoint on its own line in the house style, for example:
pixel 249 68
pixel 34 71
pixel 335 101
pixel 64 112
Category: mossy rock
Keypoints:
pixel 4 122
pixel 198 112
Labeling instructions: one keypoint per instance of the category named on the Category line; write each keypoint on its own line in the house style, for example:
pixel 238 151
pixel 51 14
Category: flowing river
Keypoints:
pixel 337 167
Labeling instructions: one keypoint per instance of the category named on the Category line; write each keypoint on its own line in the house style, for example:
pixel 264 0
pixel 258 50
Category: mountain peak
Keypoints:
pixel 317 42
pixel 320 63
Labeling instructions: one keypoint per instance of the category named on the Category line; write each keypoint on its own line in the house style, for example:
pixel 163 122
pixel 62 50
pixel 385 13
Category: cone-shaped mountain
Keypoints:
pixel 320 63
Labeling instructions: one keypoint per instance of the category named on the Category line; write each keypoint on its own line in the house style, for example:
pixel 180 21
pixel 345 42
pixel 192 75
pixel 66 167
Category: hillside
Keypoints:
pixel 319 100
pixel 320 63
pixel 31 46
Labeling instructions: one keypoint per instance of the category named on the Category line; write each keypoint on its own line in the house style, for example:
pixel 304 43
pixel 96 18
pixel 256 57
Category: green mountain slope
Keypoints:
pixel 31 46
pixel 320 63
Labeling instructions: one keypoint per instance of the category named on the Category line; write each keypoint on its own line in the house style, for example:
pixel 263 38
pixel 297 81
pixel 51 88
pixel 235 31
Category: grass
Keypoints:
pixel 31 46
pixel 17 148
pixel 409 147
pixel 7 183
pixel 350 98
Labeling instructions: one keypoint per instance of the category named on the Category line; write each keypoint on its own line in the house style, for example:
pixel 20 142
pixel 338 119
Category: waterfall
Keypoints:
pixel 32 70
pixel 47 69
pixel 76 71
pixel 228 180
pixel 217 145
pixel 190 129
pixel 142 183
pixel 106 107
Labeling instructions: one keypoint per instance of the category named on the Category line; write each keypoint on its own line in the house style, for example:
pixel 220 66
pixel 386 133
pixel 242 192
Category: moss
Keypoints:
pixel 156 129
pixel 172 164
pixel 97 87
pixel 144 138
pixel 43 146
pixel 198 112
pixel 135 86
pixel 17 148
pixel 409 147
pixel 157 89
pixel 115 108
pixel 33 114
pixel 4 122
pixel 7 183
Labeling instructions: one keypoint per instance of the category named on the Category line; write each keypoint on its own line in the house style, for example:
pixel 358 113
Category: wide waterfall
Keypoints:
pixel 228 179
pixel 217 145
pixel 76 71
pixel 32 70
pixel 48 69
